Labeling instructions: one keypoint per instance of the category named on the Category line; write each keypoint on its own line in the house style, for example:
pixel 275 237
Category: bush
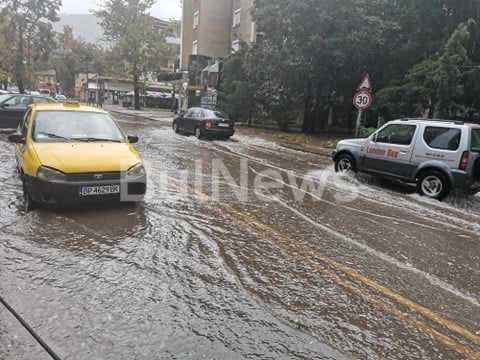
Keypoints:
pixel 364 132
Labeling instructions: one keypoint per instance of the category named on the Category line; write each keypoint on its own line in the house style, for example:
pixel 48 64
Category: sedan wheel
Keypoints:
pixel 198 133
pixel 175 127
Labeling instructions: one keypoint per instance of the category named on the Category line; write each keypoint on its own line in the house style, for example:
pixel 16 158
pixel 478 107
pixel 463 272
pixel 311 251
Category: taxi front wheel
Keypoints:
pixel 433 184
pixel 28 203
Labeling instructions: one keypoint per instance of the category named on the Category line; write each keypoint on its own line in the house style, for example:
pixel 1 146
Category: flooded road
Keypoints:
pixel 242 249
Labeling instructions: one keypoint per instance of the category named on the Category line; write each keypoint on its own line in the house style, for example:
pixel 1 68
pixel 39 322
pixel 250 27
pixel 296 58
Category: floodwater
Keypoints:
pixel 242 249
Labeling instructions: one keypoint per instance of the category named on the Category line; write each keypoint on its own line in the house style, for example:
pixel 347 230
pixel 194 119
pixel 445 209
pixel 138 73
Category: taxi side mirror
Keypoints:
pixel 16 138
pixel 132 139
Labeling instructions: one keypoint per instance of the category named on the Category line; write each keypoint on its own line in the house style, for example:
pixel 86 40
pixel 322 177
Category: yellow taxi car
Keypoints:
pixel 71 153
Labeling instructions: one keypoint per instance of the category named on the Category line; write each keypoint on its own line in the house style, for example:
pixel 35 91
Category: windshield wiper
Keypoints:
pixel 88 139
pixel 54 136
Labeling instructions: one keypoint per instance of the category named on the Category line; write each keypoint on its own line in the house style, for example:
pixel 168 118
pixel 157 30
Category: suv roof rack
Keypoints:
pixel 457 122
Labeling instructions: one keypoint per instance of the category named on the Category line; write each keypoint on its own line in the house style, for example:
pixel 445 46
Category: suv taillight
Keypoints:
pixel 464 161
pixel 208 125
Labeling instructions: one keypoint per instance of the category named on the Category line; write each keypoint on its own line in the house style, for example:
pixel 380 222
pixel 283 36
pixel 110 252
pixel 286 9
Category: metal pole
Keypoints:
pixel 359 117
pixel 87 93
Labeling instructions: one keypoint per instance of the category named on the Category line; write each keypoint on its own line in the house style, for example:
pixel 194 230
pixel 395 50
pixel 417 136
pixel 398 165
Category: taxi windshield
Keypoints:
pixel 475 146
pixel 50 126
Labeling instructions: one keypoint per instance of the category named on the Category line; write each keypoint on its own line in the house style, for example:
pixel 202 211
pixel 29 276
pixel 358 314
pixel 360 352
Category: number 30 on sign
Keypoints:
pixel 362 100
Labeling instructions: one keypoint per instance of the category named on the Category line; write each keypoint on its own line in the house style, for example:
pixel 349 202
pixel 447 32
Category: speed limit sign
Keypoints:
pixel 362 100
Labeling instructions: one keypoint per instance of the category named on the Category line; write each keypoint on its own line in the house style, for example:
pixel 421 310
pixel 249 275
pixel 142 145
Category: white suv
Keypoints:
pixel 436 155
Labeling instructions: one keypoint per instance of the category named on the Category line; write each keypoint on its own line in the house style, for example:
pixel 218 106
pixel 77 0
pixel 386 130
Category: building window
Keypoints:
pixel 259 37
pixel 236 17
pixel 235 45
pixel 196 19
pixel 195 47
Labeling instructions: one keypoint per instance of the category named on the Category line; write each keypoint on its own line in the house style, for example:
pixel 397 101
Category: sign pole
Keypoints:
pixel 359 118
pixel 362 99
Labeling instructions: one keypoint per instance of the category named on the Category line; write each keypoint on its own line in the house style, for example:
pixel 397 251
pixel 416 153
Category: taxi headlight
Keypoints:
pixel 136 170
pixel 49 174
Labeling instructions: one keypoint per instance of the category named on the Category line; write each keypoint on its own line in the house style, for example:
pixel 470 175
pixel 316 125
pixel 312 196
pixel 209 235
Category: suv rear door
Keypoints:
pixel 443 143
pixel 389 151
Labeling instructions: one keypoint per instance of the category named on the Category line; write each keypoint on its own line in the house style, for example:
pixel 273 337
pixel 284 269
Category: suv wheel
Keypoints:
pixel 345 163
pixel 433 184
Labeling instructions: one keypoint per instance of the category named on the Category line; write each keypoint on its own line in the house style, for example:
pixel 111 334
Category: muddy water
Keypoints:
pixel 242 250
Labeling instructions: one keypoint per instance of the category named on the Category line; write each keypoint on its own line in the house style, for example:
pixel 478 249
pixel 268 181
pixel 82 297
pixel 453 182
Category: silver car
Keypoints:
pixel 436 155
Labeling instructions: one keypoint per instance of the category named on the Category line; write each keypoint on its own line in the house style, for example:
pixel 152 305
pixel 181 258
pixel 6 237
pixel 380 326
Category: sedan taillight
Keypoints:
pixel 464 161
pixel 208 124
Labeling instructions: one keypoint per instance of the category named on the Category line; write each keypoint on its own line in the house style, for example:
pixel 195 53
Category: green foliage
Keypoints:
pixel 29 32
pixel 313 53
pixel 365 132
pixel 236 90
pixel 129 27
pixel 437 86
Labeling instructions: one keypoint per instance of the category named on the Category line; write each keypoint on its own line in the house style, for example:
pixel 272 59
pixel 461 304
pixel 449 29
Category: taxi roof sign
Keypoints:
pixel 365 84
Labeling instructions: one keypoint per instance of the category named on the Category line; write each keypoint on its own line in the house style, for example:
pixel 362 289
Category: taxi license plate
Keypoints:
pixel 225 125
pixel 99 190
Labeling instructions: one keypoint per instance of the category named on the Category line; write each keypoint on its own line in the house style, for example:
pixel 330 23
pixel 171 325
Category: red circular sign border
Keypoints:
pixel 362 93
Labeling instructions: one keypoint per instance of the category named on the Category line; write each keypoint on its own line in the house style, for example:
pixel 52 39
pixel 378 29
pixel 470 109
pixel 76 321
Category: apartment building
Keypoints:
pixel 215 28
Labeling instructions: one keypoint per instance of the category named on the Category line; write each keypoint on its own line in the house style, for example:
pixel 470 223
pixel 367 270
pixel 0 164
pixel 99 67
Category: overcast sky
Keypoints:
pixel 163 9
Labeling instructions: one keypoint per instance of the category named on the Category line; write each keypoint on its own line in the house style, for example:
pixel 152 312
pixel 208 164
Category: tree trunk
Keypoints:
pixel 136 92
pixel 318 115
pixel 307 114
pixel 431 109
pixel 19 66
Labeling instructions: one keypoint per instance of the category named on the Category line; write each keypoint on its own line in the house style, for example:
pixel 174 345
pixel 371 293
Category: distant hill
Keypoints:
pixel 85 27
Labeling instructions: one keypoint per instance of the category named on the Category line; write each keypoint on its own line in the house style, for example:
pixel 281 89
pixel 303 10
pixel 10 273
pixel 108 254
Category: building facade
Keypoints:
pixel 215 28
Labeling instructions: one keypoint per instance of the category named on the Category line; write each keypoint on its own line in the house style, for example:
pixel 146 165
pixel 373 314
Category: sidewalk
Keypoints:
pixel 315 144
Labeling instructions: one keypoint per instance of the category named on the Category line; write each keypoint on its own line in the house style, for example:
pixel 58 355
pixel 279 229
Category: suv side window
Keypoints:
pixel 475 146
pixel 400 134
pixel 442 138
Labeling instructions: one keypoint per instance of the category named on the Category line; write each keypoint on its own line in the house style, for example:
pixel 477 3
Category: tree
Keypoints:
pixel 28 22
pixel 442 85
pixel 313 53
pixel 76 56
pixel 129 27
pixel 6 57
pixel 236 89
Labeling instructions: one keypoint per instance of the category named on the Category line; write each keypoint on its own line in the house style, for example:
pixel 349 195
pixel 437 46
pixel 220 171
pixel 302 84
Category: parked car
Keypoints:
pixel 12 108
pixel 70 153
pixel 204 123
pixel 60 97
pixel 436 155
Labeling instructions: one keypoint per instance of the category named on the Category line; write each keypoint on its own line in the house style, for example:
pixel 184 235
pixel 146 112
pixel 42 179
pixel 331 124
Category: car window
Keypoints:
pixel 220 114
pixel 188 113
pixel 400 134
pixel 18 101
pixel 442 138
pixel 194 113
pixel 4 97
pixel 41 99
pixel 71 125
pixel 475 146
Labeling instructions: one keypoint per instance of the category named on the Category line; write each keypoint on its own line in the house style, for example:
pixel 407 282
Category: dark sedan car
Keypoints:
pixel 13 106
pixel 204 123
